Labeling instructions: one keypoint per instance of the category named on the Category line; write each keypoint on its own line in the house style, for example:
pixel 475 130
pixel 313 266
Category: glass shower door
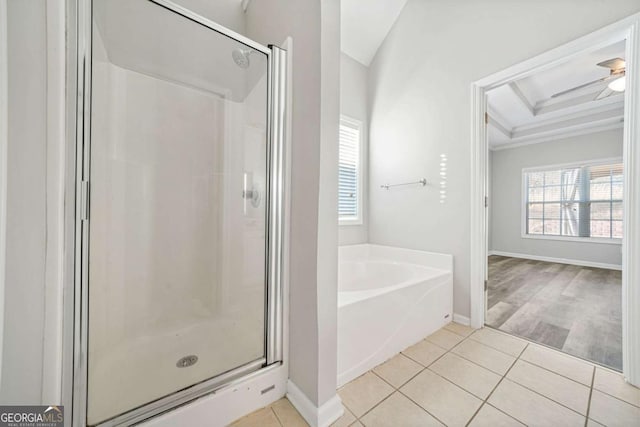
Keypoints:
pixel 178 219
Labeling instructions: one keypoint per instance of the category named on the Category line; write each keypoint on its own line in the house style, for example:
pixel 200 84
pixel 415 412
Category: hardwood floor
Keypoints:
pixel 575 309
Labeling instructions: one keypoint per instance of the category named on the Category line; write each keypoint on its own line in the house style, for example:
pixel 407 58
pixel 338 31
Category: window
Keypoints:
pixel 349 172
pixel 574 201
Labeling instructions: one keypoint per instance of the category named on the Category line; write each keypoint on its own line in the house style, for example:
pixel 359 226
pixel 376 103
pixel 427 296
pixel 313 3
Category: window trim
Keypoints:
pixel 357 124
pixel 523 204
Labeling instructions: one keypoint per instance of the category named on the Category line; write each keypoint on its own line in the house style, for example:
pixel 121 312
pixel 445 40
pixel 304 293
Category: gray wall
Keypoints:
pixel 506 199
pixel 353 103
pixel 420 107
pixel 313 239
pixel 24 304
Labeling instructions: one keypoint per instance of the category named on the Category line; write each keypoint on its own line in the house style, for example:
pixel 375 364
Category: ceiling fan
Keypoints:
pixel 616 79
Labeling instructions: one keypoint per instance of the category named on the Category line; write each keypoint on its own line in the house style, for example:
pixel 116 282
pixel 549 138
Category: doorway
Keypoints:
pixel 626 32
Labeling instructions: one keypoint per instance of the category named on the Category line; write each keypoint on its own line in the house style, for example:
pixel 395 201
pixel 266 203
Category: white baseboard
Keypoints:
pixel 322 416
pixel 463 320
pixel 558 260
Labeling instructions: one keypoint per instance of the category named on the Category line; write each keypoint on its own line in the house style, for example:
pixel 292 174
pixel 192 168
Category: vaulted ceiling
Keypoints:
pixel 526 111
pixel 365 24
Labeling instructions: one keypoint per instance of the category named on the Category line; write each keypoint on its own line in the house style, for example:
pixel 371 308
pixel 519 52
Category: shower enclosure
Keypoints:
pixel 178 209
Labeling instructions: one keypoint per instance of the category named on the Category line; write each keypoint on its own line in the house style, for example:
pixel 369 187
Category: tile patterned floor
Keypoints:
pixel 460 377
pixel 575 309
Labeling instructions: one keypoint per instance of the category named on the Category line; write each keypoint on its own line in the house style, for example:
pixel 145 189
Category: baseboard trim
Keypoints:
pixel 463 320
pixel 322 416
pixel 559 260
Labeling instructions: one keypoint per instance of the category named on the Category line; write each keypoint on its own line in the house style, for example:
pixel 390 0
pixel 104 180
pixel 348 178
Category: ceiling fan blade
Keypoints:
pixel 603 79
pixel 613 63
pixel 604 93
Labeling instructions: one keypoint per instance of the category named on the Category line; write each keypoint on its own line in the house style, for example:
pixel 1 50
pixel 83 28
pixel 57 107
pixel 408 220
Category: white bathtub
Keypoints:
pixel 388 299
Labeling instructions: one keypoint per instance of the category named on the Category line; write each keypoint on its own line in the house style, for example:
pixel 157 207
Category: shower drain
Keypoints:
pixel 187 361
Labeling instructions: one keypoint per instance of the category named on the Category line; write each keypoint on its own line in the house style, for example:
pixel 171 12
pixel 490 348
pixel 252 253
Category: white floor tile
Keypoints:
pixel 614 384
pixel 485 356
pixel 459 329
pixel 471 377
pixel 287 414
pixel 397 410
pixel 613 412
pixel 345 420
pixel 263 417
pixel 398 370
pixel 500 341
pixel 559 363
pixel 531 408
pixel 488 416
pixel 445 339
pixel 363 393
pixel 424 352
pixel 444 400
pixel 557 388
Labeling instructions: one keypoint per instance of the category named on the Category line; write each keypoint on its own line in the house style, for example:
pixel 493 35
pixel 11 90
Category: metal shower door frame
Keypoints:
pixel 76 315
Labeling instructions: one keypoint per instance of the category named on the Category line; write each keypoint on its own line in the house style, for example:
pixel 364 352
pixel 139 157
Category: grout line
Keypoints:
pixel 454 332
pixel 424 368
pixel 388 383
pixel 401 385
pixel 505 334
pixel 611 395
pixel 419 363
pixel 421 407
pixel 496 386
pixel 554 372
pixel 616 398
pixel 374 406
pixel 276 415
pixel 593 379
pixel 540 394
pixel 477 364
pixel 399 391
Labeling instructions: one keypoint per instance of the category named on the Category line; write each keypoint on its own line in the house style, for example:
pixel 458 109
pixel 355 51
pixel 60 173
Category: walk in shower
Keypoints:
pixel 179 209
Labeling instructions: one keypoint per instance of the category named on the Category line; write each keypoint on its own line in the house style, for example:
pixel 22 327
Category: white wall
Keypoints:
pixel 419 95
pixel 353 103
pixel 506 200
pixel 24 302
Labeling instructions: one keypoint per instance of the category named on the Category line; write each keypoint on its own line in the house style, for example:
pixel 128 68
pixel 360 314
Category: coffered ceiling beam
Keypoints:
pixel 583 102
pixel 499 127
pixel 522 97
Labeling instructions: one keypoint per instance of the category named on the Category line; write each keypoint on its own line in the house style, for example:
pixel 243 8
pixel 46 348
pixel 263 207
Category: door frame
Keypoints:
pixel 627 29
pixel 272 368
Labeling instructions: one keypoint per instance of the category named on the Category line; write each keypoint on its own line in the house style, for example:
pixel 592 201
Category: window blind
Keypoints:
pixel 577 201
pixel 349 170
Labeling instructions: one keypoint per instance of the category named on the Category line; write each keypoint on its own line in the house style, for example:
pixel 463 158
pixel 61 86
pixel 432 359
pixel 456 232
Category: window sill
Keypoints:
pixel 350 221
pixel 574 239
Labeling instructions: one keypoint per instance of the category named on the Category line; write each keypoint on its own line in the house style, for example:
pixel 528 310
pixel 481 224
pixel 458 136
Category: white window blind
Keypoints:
pixel 577 201
pixel 349 176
